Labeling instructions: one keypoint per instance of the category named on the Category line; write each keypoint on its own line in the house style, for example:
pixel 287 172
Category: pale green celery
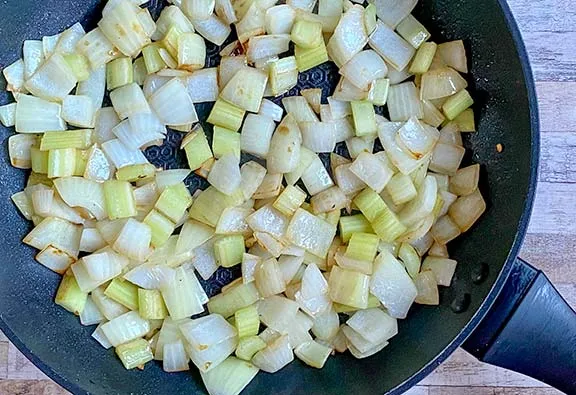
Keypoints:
pixel 247 321
pixel 170 41
pixel 229 250
pixel 387 226
pixel 370 20
pixel 152 58
pixel 363 247
pixel 401 189
pixel 79 65
pixel 373 302
pixel 456 104
pixel 413 31
pixel 210 203
pixel 224 141
pixel 308 58
pixel 226 115
pixel 81 162
pixel 139 71
pixel 465 121
pixel 289 200
pixel 37 178
pixel 134 173
pixel 410 258
pixel 151 305
pixel 306 34
pixel 197 148
pixel 353 224
pixel 70 296
pixel 370 204
pixel 135 354
pixel 364 118
pixel 162 228
pixel 81 139
pixel 123 292
pixel 227 303
pixel 349 287
pixel 174 201
pixel 248 346
pixel 423 58
pixel 283 75
pixel 61 162
pixel 119 72
pixel 378 94
pixel 119 198
pixel 39 160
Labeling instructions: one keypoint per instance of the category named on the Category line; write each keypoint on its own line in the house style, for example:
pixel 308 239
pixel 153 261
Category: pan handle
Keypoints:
pixel 530 329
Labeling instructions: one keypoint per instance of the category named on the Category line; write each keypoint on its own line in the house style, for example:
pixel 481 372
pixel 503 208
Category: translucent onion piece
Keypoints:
pixel 202 85
pixel 183 295
pixel 313 296
pixel 349 36
pixel 58 233
pixel 374 325
pixel 467 209
pixel 419 139
pixel 125 328
pixel 392 12
pixel 393 48
pixel 134 240
pixel 129 100
pixel 257 134
pixel 277 355
pixel 427 288
pixel 175 358
pixel 246 89
pixel 284 152
pixel 35 115
pixel 316 178
pixel 173 105
pixel 171 16
pixel 14 75
pixel 363 68
pixel 441 83
pixel 403 102
pixel 213 29
pixel 33 56
pixel 123 28
pixel 311 233
pixel 263 47
pixel 318 136
pixel 53 80
pixel 225 174
pixel 372 171
pixel 422 205
pixel 19 150
pixel 122 156
pixel 230 377
pixel 80 192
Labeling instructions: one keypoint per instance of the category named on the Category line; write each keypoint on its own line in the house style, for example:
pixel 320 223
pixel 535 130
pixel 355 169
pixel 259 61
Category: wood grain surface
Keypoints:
pixel 549 30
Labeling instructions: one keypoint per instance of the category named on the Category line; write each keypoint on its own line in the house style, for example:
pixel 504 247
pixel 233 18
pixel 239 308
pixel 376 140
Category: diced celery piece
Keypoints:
pixel 307 34
pixel 289 200
pixel 387 225
pixel 226 115
pixel 423 58
pixel 364 118
pixel 378 94
pixel 80 139
pixel 227 303
pixel 353 224
pixel 413 31
pixel 134 173
pixel 170 41
pixel 79 65
pixel 308 58
pixel 70 296
pixel 229 250
pixel 465 121
pixel 174 201
pixel 456 104
pixel 210 203
pixel 349 287
pixel 123 292
pixel 283 75
pixel 247 321
pixel 197 148
pixel 370 204
pixel 162 227
pixel 363 247
pixel 151 304
pixel 248 346
pixel 224 141
pixel 119 198
pixel 410 258
pixel 401 189
pixel 119 72
pixel 61 162
pixel 81 162
pixel 39 160
pixel 139 71
pixel 135 354
pixel 152 58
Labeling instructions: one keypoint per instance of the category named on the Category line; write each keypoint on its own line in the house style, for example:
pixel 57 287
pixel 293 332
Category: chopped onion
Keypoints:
pixel 277 355
pixel 58 233
pixel 440 83
pixel 33 56
pixel 122 156
pixel 129 100
pixel 14 75
pixel 125 328
pixel 393 48
pixel 257 134
pixel 80 192
pixel 213 29
pixel 19 146
pixel 372 171
pixel 349 37
pixel 373 325
pixel 173 105
pixel 318 136
pixel 284 152
pixel 53 80
pixel 403 102
pixel 134 240
pixel 363 68
pixel 202 85
pixel 264 47
pixel 35 115
pixel 316 178
pixel 313 296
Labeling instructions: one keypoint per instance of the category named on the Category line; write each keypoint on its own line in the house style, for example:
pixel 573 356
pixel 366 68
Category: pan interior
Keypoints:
pixel 56 342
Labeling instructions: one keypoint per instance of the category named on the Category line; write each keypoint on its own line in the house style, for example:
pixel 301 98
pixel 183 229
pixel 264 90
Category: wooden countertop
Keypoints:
pixel 549 30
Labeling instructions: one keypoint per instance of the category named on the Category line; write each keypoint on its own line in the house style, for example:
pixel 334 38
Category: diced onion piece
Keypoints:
pixel 358 145
pixel 173 105
pixel 277 355
pixel 427 287
pixel 34 115
pixel 53 80
pixel 56 232
pixel 374 325
pixel 225 174
pixel 363 68
pixel 183 295
pixel 329 200
pixel 175 358
pixel 70 296
pixel 393 48
pixel 268 278
pixel 78 111
pixel 14 75
pixel 279 19
pixel 198 9
pixel 346 91
pixel 446 158
pixel 264 47
pixel 392 286
pixel 171 16
pixel 284 152
pixel 313 354
pixel 467 209
pixel 348 182
pixel 129 100
pixel 213 29
pixel 442 268
pixel 33 56
pixel 125 328
pixel 372 171
pixel 24 204
pixel 8 115
pixel 19 149
pixel 316 178
pixel 453 54
pixel 440 83
pixel 298 107
pixel 80 192
pixel 413 31
pixel 318 136
pixel 326 325
pixel 313 296
pixel 122 156
pixel 54 259
pixel 229 377
pixel 419 139
pixel 134 240
pixel 257 134
pixel 349 37
pixel 123 28
pixel 403 160
pixel 403 102
pixel 465 181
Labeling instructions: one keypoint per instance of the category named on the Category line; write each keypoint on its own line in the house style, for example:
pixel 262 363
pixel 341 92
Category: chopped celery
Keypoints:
pixel 308 58
pixel 313 354
pixel 370 20
pixel 229 250
pixel 134 173
pixel 197 148
pixel 364 118
pixel 119 72
pixel 465 121
pixel 135 354
pixel 289 200
pixel 170 41
pixel 81 162
pixel 247 321
pixel 373 302
pixel 227 303
pixel 210 203
pixel 248 346
pixel 423 58
pixel 363 247
pixel 174 201
pixel 80 139
pixel 123 292
pixel 378 93
pixel 152 58
pixel 456 104
pixel 162 228
pixel 151 304
pixel 349 288
pixel 61 162
pixel 283 75
pixel 387 225
pixel 226 115
pixel 79 65
pixel 401 189
pixel 370 204
pixel 413 31
pixel 307 34
pixel 70 296
pixel 224 141
pixel 39 160
pixel 139 71
pixel 119 198
pixel 353 224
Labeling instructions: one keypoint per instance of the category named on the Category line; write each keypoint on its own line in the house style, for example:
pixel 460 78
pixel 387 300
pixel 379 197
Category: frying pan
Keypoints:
pixel 501 309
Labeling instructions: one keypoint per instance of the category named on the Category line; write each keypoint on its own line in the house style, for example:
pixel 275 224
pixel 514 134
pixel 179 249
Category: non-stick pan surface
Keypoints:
pixel 505 108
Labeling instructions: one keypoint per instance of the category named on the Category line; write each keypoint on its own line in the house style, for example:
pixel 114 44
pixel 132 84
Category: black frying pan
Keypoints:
pixel 501 309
